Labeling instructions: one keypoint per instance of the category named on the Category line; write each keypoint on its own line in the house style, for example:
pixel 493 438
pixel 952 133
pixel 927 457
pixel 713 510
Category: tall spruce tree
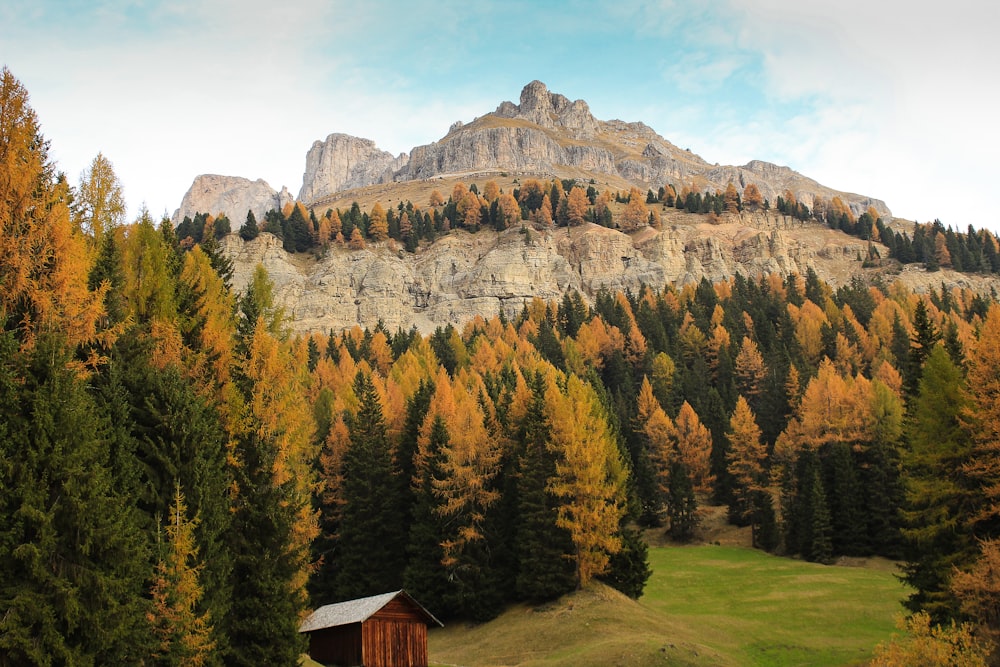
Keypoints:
pixel 369 556
pixel 73 563
pixel 545 570
pixel 425 577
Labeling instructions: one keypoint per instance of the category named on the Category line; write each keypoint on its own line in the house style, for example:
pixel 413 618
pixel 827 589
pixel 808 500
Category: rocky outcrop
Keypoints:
pixel 551 111
pixel 343 162
pixel 463 275
pixel 232 196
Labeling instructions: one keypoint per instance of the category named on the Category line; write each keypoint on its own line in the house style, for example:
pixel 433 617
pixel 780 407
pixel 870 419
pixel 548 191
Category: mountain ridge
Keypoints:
pixel 545 134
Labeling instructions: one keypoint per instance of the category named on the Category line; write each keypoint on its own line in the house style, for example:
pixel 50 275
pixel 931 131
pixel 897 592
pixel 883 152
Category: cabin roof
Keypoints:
pixel 358 611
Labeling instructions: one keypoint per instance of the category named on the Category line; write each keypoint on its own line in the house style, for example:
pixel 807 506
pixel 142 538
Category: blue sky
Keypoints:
pixel 898 101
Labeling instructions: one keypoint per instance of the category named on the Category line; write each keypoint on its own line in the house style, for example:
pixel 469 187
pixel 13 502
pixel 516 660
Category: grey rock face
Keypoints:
pixel 464 275
pixel 231 195
pixel 342 162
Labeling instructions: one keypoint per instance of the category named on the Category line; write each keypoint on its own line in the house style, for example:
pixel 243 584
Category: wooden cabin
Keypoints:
pixel 388 630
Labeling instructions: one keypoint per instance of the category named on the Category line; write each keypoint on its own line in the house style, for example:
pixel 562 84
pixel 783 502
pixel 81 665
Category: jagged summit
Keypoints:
pixel 546 135
pixel 550 110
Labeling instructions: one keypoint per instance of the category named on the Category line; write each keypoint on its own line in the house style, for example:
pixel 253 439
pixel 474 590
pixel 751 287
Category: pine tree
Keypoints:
pixel 371 539
pixel 425 576
pixel 249 231
pixel 543 548
pixel 72 560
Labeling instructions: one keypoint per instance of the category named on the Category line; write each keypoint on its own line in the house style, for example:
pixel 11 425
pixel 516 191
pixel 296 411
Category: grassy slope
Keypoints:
pixel 705 605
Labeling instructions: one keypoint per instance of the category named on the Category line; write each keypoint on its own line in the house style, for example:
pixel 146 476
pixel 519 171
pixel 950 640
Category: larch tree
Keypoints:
pixel 576 206
pixel 43 259
pixel 182 630
pixel 99 204
pixel 694 448
pixel 981 419
pixel 378 224
pixel 635 214
pixel 747 458
pixel 590 477
pixel 731 199
pixel 752 198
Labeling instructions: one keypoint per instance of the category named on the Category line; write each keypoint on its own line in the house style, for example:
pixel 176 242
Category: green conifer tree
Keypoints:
pixel 542 548
pixel 371 541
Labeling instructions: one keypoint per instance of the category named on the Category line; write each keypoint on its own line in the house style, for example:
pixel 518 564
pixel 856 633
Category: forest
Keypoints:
pixel 181 478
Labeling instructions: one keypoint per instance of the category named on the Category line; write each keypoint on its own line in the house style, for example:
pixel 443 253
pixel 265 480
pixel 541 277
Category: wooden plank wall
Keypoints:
pixel 393 641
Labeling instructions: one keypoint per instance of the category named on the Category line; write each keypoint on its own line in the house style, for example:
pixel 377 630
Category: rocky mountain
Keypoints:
pixel 232 195
pixel 546 135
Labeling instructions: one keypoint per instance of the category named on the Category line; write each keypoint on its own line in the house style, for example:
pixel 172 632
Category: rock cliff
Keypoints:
pixel 232 195
pixel 343 162
pixel 463 275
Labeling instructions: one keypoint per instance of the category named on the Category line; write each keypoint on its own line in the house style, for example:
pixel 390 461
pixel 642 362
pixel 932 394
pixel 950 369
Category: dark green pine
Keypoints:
pixel 425 577
pixel 544 569
pixel 369 555
pixel 73 562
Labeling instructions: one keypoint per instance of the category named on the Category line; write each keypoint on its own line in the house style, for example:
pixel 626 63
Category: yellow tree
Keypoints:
pixel 43 260
pixel 183 634
pixel 745 461
pixel 491 191
pixel 278 416
pixel 982 417
pixel 378 223
pixel 660 438
pixel 749 369
pixel 436 199
pixel 694 448
pixel 590 476
pixel 731 198
pixel 576 206
pixel 508 207
pixel 752 198
pixel 357 241
pixel 544 213
pixel 99 203
pixel 635 214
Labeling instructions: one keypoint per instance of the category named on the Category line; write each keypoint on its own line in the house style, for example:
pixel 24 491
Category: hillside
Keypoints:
pixel 704 605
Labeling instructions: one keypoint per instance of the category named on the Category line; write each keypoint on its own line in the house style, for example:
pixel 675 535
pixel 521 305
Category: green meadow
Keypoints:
pixel 703 605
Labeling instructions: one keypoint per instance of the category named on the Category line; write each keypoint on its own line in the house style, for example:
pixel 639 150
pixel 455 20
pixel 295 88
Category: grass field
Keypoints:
pixel 704 605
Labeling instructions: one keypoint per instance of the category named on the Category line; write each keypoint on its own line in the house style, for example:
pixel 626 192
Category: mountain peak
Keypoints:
pixel 551 110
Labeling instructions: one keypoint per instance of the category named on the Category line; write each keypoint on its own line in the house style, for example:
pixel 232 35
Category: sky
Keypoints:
pixel 895 100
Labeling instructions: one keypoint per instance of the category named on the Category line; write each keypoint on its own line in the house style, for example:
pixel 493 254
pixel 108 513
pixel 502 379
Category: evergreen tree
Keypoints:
pixel 681 504
pixel 249 231
pixel 262 624
pixel 937 494
pixel 542 547
pixel 371 539
pixel 425 576
pixel 72 560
